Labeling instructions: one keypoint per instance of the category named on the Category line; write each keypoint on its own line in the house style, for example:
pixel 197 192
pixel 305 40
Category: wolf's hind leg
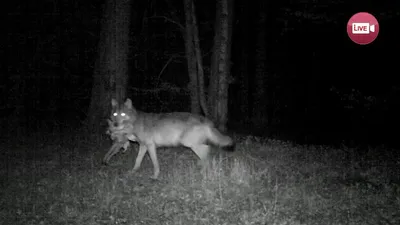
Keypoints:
pixel 202 151
pixel 153 156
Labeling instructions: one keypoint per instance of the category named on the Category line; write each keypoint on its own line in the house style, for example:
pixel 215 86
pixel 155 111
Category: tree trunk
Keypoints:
pixel 224 67
pixel 17 120
pixel 259 96
pixel 199 60
pixel 123 19
pixel 213 81
pixel 110 75
pixel 191 58
pixel 221 63
pixel 243 92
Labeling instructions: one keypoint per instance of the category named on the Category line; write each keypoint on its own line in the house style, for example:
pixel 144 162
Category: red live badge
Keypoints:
pixel 363 28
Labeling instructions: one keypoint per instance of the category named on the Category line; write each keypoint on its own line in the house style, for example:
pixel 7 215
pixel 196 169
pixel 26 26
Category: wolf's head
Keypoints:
pixel 122 113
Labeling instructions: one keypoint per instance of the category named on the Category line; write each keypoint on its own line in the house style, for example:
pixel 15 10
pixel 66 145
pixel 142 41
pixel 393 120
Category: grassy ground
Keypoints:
pixel 45 179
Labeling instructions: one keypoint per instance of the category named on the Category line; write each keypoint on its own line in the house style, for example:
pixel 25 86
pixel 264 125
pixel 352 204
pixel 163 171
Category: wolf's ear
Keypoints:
pixel 114 102
pixel 128 103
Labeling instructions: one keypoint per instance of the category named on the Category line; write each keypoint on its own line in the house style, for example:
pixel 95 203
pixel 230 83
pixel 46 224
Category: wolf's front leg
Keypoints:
pixel 139 157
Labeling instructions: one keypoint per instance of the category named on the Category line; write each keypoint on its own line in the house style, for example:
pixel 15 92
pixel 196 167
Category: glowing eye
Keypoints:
pixel 115 114
pixel 122 114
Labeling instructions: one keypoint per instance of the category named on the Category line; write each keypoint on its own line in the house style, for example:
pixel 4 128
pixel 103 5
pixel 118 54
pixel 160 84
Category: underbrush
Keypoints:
pixel 58 179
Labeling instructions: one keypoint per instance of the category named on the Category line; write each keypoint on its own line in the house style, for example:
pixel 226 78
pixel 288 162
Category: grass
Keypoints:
pixel 58 179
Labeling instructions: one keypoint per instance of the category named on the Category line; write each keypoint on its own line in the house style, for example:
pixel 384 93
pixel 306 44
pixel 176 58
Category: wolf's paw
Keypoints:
pixel 130 173
pixel 155 174
pixel 154 177
pixel 134 170
pixel 105 162
pixel 200 163
pixel 203 163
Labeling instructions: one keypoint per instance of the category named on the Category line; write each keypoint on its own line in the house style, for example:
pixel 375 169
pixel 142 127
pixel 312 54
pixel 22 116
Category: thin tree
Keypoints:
pixel 244 90
pixel 199 62
pixel 259 93
pixel 220 64
pixel 215 105
pixel 191 57
pixel 110 75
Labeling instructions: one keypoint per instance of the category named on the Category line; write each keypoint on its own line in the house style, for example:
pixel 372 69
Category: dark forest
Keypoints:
pixel 88 88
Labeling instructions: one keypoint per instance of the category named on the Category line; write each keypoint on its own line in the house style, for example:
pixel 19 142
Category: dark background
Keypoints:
pixel 322 87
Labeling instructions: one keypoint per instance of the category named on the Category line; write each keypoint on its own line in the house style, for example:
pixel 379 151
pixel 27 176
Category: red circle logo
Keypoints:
pixel 362 28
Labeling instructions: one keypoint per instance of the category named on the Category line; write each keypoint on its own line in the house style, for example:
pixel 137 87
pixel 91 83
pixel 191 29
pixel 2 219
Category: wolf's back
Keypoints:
pixel 198 127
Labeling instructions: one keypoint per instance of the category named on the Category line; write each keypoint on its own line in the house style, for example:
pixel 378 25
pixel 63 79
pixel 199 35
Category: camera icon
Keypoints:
pixel 362 28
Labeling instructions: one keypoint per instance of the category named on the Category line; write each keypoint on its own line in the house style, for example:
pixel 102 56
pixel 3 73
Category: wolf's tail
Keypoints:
pixel 217 138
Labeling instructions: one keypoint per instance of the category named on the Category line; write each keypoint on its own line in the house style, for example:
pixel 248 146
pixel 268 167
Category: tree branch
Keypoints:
pixel 169 20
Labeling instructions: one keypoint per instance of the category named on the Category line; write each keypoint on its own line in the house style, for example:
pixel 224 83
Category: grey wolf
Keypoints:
pixel 152 130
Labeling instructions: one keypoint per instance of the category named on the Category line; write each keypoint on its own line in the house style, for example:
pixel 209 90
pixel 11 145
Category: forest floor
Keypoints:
pixel 59 179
